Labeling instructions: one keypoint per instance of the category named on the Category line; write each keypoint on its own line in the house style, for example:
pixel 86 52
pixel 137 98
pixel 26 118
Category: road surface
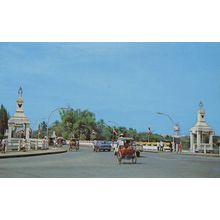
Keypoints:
pixel 88 164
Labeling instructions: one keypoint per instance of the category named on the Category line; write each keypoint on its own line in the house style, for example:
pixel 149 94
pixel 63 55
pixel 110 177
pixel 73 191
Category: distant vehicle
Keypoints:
pixel 60 141
pixel 155 146
pixel 102 146
pixel 167 146
pixel 74 144
pixel 151 146
pixel 121 141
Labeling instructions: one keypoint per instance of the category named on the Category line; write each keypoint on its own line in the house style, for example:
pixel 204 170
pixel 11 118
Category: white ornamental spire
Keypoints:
pixel 20 92
pixel 201 113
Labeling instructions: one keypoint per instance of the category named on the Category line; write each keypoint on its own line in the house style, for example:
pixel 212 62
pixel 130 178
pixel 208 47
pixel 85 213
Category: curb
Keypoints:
pixel 201 155
pixel 153 152
pixel 5 156
pixel 186 154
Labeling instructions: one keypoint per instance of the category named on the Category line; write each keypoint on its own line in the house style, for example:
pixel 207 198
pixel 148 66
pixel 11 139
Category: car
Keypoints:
pixel 167 147
pixel 102 146
pixel 151 146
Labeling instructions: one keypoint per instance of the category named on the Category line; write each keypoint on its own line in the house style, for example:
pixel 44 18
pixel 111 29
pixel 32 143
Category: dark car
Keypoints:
pixel 102 146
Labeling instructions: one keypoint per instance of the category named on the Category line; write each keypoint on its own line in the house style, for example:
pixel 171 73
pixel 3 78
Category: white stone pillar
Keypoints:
pixel 211 140
pixel 27 131
pixel 202 142
pixel 191 142
pixel 9 134
pixel 194 148
pixel 198 139
pixel 205 145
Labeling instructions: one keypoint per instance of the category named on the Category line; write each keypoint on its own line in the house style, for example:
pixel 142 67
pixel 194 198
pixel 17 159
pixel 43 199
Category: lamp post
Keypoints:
pixel 48 121
pixel 173 126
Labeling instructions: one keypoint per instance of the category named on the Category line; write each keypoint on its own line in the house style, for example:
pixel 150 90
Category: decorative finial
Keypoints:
pixel 201 105
pixel 20 92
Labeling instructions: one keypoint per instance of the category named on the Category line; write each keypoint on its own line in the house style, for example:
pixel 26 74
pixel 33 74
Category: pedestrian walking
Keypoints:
pixel 161 146
pixel 23 145
pixel 171 146
pixel 158 146
pixel 4 145
pixel 179 148
pixel 44 143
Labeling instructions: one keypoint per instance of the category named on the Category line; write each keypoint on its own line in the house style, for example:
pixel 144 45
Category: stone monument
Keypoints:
pixel 19 124
pixel 201 135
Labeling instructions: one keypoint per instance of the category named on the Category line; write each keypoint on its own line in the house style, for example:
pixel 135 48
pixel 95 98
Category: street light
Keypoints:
pixel 173 126
pixel 56 109
pixel 172 121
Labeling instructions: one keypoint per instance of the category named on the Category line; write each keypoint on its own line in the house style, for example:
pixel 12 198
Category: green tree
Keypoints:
pixel 104 132
pixel 4 117
pixel 78 123
pixel 131 132
pixel 57 128
pixel 68 122
pixel 42 129
pixel 86 123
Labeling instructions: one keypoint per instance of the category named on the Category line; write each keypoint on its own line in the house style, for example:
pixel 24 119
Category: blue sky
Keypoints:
pixel 126 83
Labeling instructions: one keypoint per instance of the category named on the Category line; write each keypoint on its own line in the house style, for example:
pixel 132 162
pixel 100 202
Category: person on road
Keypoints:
pixel 77 144
pixel 44 143
pixel 4 145
pixel 158 146
pixel 171 146
pixel 179 148
pixel 23 145
pixel 120 141
pixel 161 145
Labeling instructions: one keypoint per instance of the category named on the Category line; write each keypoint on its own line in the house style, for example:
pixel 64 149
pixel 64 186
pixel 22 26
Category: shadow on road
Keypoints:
pixel 142 156
pixel 130 163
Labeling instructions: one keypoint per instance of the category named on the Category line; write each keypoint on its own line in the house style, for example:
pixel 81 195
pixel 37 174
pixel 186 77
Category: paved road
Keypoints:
pixel 85 164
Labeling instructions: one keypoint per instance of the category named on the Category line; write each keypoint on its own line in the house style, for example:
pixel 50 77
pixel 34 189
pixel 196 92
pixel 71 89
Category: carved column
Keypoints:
pixel 198 139
pixel 9 134
pixel 192 146
pixel 211 140
pixel 27 131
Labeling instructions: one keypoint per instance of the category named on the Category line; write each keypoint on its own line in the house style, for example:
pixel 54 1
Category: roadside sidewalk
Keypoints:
pixel 14 154
pixel 199 154
pixel 186 153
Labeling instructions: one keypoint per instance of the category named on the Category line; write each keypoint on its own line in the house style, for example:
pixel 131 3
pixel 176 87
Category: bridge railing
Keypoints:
pixel 18 144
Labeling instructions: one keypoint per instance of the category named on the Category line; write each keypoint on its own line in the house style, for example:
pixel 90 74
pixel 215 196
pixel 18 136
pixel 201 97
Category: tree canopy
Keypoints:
pixel 82 124
pixel 77 123
pixel 4 116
